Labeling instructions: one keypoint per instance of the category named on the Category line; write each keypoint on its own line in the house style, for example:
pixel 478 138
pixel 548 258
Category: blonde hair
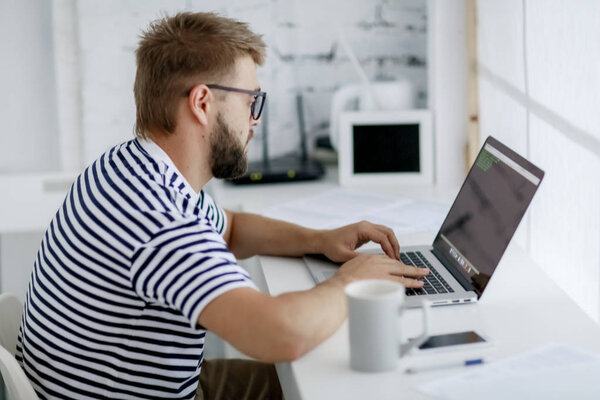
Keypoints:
pixel 179 51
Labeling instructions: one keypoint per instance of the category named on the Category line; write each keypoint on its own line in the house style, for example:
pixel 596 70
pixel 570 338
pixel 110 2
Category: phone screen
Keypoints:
pixel 451 339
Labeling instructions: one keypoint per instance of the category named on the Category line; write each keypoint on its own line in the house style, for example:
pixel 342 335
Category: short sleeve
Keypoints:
pixel 212 212
pixel 184 267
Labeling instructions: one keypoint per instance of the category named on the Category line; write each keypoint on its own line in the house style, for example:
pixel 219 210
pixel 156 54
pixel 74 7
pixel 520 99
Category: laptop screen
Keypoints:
pixel 487 212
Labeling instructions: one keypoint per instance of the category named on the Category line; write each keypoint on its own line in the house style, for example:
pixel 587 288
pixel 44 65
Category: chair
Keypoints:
pixel 16 382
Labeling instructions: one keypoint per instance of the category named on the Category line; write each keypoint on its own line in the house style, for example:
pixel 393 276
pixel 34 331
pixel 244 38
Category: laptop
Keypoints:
pixel 477 230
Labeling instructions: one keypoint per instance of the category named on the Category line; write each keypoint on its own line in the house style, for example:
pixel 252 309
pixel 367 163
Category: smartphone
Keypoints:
pixel 453 343
pixel 451 349
pixel 453 339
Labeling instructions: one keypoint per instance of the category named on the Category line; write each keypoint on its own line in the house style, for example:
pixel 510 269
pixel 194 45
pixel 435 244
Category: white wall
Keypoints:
pixel 388 37
pixel 77 57
pixel 28 132
pixel 539 82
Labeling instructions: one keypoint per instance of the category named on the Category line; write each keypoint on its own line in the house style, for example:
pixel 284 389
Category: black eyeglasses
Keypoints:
pixel 257 105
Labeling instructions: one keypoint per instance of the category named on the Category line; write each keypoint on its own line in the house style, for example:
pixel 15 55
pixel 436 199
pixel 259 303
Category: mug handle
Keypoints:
pixel 406 347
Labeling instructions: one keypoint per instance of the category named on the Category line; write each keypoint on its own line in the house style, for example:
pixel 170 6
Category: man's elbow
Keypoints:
pixel 276 351
pixel 293 351
pixel 289 345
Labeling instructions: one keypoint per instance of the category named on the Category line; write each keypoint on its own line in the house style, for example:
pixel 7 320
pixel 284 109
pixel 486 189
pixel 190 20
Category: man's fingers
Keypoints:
pixel 391 237
pixel 385 237
pixel 411 283
pixel 407 270
pixel 380 237
pixel 372 266
pixel 401 269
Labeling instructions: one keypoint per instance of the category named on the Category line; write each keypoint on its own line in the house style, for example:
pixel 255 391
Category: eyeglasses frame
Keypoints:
pixel 255 93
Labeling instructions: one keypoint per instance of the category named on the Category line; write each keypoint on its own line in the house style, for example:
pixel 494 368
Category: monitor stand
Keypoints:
pixel 287 168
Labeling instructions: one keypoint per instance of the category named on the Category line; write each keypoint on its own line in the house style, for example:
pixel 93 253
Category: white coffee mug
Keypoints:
pixel 374 310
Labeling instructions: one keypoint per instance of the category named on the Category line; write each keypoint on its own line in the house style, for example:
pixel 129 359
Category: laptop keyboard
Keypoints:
pixel 434 283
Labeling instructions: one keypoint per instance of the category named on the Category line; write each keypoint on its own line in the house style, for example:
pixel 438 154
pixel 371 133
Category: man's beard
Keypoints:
pixel 228 159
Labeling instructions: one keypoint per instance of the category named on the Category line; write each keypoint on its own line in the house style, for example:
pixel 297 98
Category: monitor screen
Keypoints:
pixel 487 212
pixel 381 148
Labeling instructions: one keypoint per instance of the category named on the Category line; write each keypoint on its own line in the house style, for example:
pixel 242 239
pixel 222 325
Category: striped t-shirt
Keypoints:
pixel 125 268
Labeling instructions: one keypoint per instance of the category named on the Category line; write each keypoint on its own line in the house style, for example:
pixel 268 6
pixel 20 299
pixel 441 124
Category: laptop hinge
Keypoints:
pixel 456 274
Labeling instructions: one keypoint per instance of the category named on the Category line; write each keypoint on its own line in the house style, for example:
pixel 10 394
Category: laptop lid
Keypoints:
pixel 486 214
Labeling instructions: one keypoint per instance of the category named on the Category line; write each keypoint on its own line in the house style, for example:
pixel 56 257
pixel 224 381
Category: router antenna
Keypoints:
pixel 301 127
pixel 361 73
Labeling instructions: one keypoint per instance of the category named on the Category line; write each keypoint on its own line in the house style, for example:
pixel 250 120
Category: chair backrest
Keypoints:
pixel 11 310
pixel 17 384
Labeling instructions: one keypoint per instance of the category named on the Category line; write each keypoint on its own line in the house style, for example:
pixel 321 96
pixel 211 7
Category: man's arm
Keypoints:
pixel 251 234
pixel 285 327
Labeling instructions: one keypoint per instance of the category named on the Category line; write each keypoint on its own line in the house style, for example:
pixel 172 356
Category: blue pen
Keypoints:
pixel 466 363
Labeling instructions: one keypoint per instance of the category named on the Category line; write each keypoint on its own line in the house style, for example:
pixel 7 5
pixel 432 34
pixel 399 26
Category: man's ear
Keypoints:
pixel 200 102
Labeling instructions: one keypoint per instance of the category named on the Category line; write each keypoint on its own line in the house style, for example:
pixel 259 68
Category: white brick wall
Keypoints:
pixel 388 37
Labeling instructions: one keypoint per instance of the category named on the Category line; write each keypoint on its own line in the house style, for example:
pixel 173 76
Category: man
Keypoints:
pixel 139 262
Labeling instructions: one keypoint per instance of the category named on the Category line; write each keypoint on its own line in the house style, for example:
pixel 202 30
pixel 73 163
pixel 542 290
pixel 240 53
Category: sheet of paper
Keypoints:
pixel 339 207
pixel 413 216
pixel 552 372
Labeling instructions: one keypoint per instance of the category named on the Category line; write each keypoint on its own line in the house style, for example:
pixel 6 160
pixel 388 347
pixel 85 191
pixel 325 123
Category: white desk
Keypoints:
pixel 521 309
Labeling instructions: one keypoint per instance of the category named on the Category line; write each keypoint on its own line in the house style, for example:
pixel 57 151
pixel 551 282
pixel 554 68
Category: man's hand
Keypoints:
pixel 372 266
pixel 339 245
